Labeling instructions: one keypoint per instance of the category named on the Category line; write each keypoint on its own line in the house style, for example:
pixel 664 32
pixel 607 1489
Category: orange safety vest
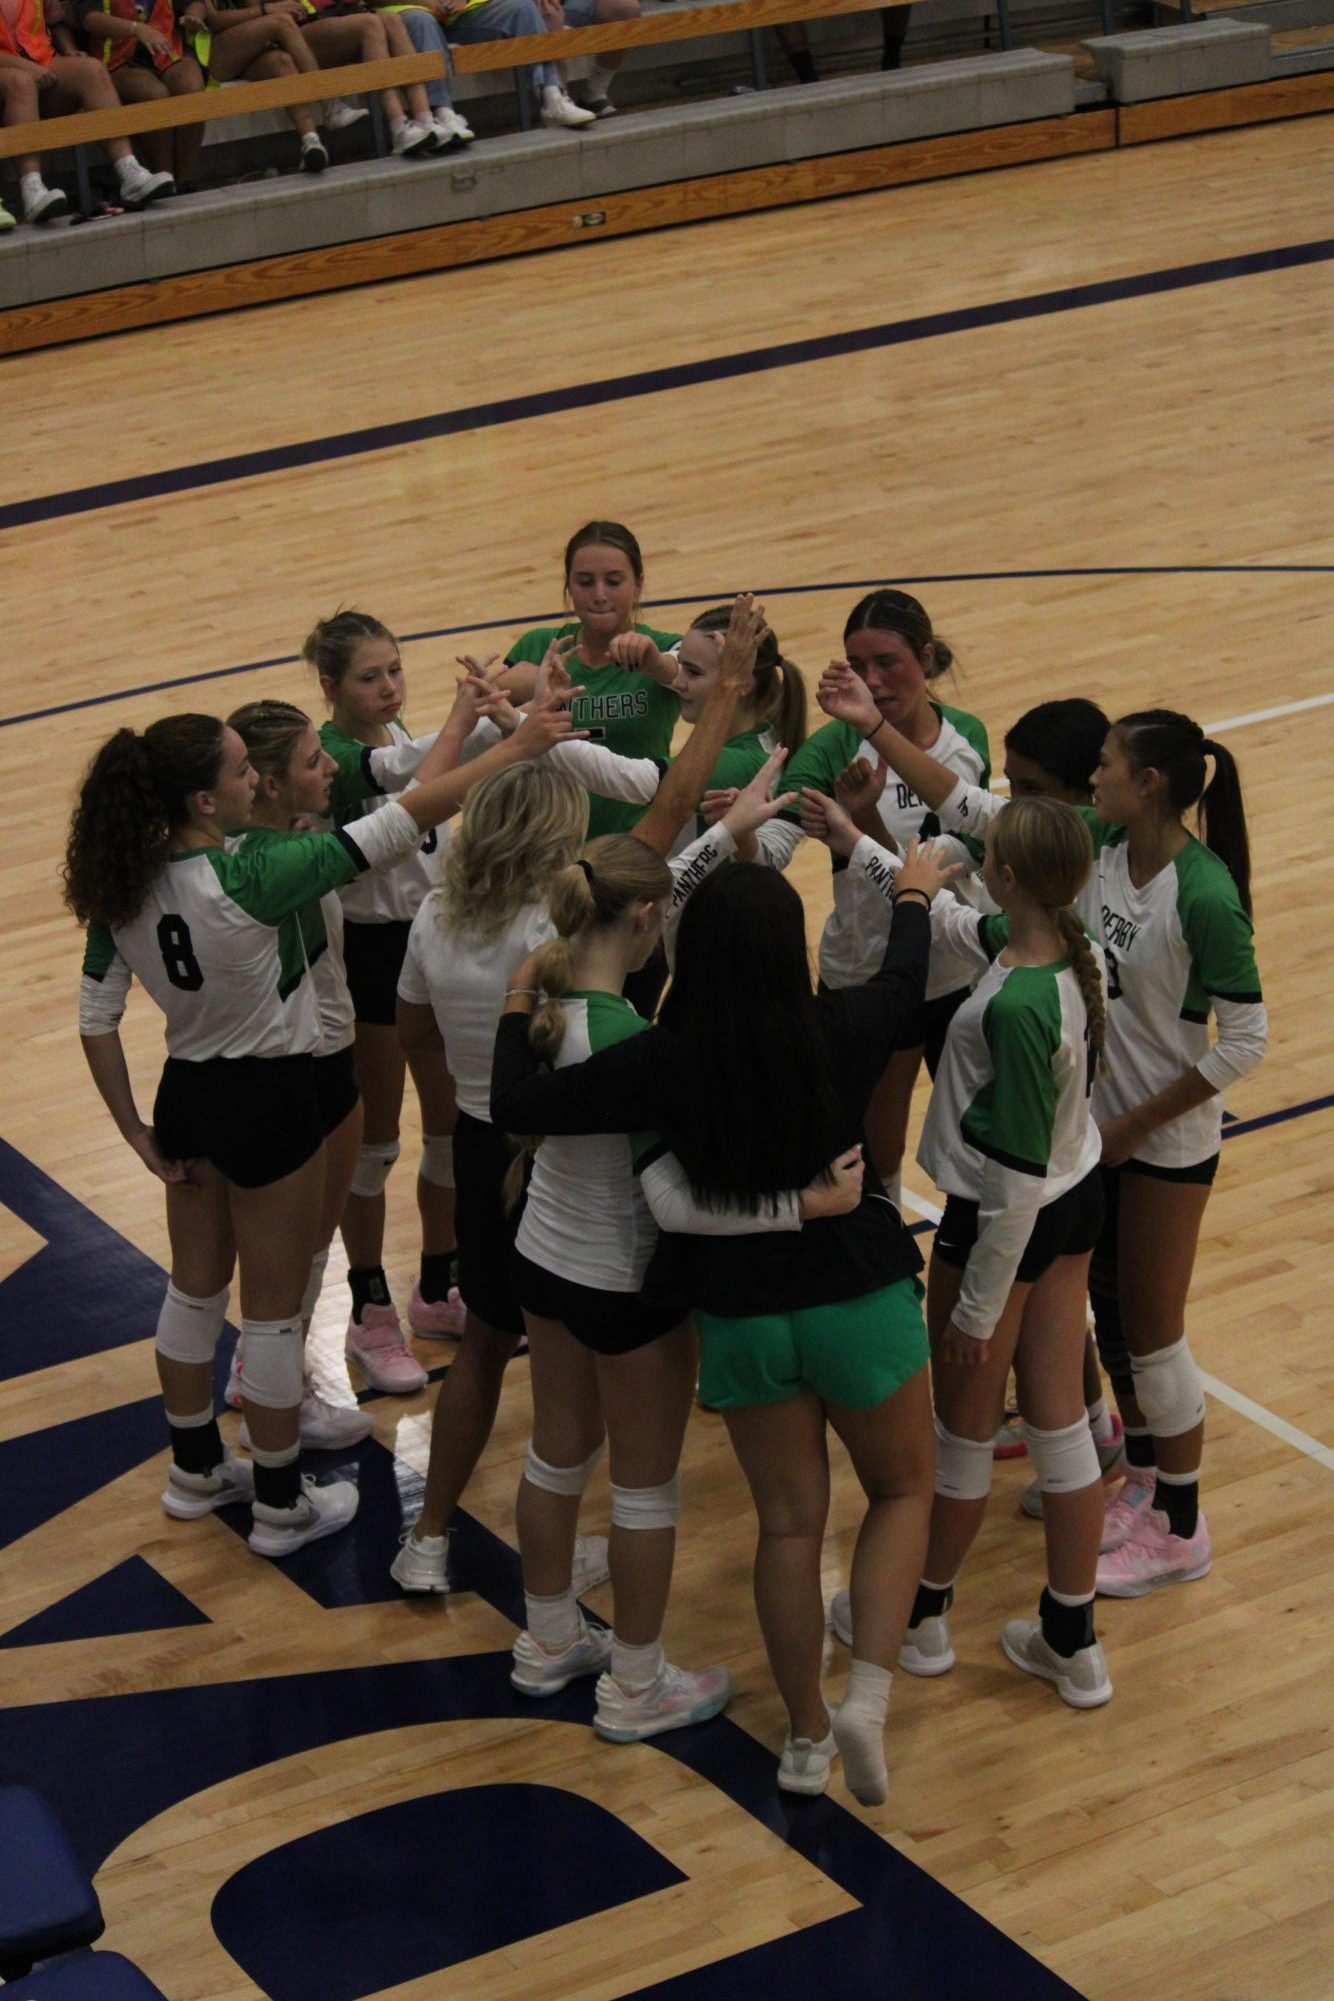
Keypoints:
pixel 162 16
pixel 29 38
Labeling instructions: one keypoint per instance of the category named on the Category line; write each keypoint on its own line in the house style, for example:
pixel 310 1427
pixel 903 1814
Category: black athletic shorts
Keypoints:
pixel 482 1226
pixel 1065 1228
pixel 336 1087
pixel 257 1118
pixel 1199 1174
pixel 610 1323
pixel 374 955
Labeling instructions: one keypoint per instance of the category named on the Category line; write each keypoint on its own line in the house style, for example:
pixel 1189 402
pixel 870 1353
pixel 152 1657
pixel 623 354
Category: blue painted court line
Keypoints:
pixel 654 381
pixel 1280 1117
pixel 520 621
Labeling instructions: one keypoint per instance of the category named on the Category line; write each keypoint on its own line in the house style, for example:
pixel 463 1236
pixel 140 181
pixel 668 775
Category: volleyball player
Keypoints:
pixel 237 1133
pixel 360 671
pixel 892 647
pixel 1011 1140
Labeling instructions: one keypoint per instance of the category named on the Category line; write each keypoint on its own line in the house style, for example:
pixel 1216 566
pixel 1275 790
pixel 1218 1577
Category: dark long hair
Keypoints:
pixel 1064 739
pixel 1166 741
pixel 766 1116
pixel 135 792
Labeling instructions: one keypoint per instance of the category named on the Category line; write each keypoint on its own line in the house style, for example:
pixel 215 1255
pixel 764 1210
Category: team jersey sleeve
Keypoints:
pixel 701 858
pixel 675 1209
pixel 600 770
pixel 970 809
pixel 105 986
pixel 1011 1125
pixel 1219 937
pixel 615 1091
pixel 391 766
pixel 778 839
pixel 274 879
pixel 817 763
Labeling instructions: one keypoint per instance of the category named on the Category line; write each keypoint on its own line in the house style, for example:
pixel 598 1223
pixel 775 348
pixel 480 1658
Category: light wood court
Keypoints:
pixel 1129 500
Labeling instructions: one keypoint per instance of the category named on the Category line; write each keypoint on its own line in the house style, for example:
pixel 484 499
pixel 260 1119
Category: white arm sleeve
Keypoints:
pixel 969 808
pixel 102 1002
pixel 384 837
pixel 1243 1037
pixel 667 1190
pixel 1006 1210
pixel 601 770
pixel 484 735
pixel 393 764
pixel 778 841
pixel 955 926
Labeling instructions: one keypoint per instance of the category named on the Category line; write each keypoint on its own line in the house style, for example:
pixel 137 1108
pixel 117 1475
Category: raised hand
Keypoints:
pixel 825 820
pixel 843 695
pixel 925 867
pixel 552 676
pixel 859 789
pixel 547 721
pixel 752 805
pixel 717 804
pixel 736 664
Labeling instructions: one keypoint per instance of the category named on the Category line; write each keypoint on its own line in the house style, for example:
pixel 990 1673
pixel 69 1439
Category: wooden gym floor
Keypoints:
pixel 1122 493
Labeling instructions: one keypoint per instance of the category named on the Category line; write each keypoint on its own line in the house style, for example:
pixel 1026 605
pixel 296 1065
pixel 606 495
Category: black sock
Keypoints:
pixel 803 65
pixel 1065 1628
pixel 437 1275
pixel 930 1603
pixel 278 1486
pixel 1181 1504
pixel 370 1287
pixel 197 1448
pixel 1139 1449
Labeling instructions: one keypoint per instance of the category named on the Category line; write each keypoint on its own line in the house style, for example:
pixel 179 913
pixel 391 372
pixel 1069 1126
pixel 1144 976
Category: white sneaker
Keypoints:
pixel 7 221
pixel 1081 1678
pixel 422 1563
pixel 676 1698
pixel 560 109
pixel 536 1672
pixel 187 1496
pixel 138 187
pixel 926 1648
pixel 314 154
pixel 319 1512
pixel 840 1617
pixel 338 115
pixel 411 138
pixel 325 1426
pixel 450 130
pixel 45 206
pixel 804 1765
pixel 590 1563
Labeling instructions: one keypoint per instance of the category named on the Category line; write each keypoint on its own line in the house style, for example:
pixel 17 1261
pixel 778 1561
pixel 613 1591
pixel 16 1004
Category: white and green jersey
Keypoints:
pixel 220 942
pixel 322 936
pixel 1177 949
pixel 1010 1125
pixel 969 811
pixel 366 778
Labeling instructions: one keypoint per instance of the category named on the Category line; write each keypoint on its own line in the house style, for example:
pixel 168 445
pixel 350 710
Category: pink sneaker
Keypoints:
pixel 678 1697
pixel 1128 1510
pixel 232 1395
pixel 1154 1556
pixel 378 1343
pixel 436 1319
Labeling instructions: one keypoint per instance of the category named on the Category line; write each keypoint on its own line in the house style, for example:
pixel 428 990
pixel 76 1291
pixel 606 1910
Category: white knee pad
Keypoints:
pixel 310 1298
pixel 188 1329
pixel 963 1466
pixel 559 1479
pixel 372 1169
pixel 1065 1460
pixel 1168 1389
pixel 274 1363
pixel 646 1507
pixel 437 1161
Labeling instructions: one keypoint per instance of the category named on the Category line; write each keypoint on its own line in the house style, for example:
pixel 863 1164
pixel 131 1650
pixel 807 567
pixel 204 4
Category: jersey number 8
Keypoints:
pixel 177 949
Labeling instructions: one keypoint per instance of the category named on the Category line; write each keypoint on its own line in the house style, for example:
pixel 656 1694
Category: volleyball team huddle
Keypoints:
pixel 706 1203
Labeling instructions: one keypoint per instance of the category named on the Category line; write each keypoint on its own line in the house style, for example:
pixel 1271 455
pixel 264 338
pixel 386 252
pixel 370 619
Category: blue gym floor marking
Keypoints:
pixel 522 621
pixel 654 381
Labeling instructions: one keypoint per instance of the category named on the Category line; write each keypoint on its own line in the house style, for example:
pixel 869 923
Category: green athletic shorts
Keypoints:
pixel 856 1352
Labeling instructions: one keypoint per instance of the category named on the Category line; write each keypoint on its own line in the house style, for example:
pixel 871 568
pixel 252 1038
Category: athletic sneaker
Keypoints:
pixel 412 136
pixel 804 1765
pixel 7 221
pixel 1154 1556
pixel 436 1319
pixel 840 1617
pixel 450 130
pixel 536 1672
pixel 422 1564
pixel 1127 1511
pixel 591 1567
pixel 1009 1442
pixel 338 115
pixel 559 108
pixel 187 1496
pixel 233 1395
pixel 325 1426
pixel 379 1345
pixel 1081 1678
pixel 926 1648
pixel 314 154
pixel 138 187
pixel 678 1697
pixel 319 1512
pixel 1110 1458
pixel 46 204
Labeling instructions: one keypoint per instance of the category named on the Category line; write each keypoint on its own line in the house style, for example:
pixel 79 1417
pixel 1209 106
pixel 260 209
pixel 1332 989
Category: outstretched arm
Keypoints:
pixel 683 787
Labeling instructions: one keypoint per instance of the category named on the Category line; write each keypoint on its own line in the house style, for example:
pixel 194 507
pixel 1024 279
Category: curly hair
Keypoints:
pixel 135 793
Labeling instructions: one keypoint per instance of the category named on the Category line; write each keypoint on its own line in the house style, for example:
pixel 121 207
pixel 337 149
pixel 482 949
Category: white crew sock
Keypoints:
pixel 636 1668
pixel 859 1732
pixel 553 1622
